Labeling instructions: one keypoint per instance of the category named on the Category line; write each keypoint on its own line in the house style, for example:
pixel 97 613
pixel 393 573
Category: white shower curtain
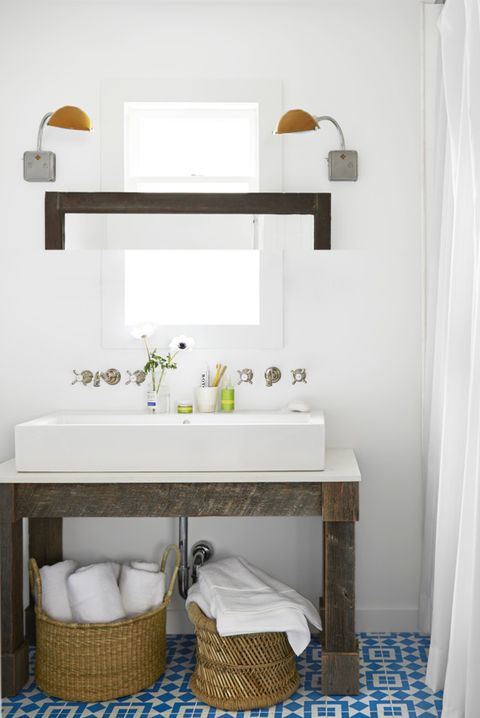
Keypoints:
pixel 452 447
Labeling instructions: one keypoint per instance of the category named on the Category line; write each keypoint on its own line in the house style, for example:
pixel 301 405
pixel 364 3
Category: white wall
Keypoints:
pixel 352 316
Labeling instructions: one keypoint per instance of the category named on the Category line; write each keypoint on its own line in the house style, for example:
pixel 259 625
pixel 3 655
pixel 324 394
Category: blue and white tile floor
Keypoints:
pixel 392 685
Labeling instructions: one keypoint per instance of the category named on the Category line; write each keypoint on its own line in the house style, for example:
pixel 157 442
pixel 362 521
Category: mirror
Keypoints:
pixel 188 232
pixel 136 220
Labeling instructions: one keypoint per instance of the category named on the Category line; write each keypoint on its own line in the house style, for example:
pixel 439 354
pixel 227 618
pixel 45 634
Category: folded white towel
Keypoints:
pixel 145 566
pixel 142 587
pixel 196 596
pixel 55 601
pixel 94 594
pixel 243 599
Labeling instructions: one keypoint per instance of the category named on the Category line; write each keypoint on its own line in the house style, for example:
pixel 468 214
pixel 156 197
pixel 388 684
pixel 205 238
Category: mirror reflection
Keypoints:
pixel 188 232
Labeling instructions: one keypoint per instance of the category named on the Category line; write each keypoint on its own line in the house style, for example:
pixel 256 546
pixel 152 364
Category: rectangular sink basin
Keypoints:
pixel 131 441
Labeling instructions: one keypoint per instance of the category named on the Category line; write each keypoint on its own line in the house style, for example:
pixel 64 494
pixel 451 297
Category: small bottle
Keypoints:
pixel 151 400
pixel 227 397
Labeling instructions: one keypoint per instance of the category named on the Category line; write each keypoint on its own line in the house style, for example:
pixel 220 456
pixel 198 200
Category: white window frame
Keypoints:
pixel 268 94
pixel 134 111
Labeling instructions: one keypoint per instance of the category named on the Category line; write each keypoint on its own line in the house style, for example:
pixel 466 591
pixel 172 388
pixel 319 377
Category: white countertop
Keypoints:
pixel 340 465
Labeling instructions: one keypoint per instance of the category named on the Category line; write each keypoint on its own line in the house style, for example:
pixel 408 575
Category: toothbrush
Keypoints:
pixel 218 368
pixel 219 376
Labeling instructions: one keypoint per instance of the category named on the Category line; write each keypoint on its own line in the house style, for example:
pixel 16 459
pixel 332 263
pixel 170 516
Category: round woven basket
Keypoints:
pixel 100 661
pixel 241 672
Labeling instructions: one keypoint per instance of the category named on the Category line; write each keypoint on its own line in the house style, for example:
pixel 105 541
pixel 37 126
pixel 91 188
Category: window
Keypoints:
pixel 220 140
pixel 191 147
pixel 224 285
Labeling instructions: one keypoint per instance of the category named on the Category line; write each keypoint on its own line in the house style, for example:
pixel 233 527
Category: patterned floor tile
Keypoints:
pixel 392 685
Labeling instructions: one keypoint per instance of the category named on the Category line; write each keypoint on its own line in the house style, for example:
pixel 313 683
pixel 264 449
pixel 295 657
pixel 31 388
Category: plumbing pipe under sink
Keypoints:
pixel 202 552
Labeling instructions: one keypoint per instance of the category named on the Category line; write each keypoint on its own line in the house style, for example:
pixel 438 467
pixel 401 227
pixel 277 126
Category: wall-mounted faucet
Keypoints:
pixel 110 377
pixel 137 377
pixel 85 376
pixel 272 375
pixel 245 375
pixel 299 375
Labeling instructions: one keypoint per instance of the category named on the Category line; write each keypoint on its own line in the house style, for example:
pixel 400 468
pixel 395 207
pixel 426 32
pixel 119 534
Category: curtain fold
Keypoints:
pixel 453 436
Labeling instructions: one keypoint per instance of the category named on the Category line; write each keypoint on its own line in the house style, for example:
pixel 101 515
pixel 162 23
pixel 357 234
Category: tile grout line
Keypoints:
pixel 390 700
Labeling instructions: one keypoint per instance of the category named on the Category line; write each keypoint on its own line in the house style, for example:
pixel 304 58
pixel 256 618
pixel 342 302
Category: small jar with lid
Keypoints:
pixel 184 407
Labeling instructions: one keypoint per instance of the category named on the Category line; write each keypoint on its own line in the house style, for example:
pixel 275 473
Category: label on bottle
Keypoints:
pixel 151 400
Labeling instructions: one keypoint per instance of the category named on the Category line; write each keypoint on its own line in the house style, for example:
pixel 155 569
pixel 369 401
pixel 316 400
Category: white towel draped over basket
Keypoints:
pixel 244 599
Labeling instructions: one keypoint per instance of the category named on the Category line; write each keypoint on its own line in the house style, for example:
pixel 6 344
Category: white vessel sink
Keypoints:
pixel 112 441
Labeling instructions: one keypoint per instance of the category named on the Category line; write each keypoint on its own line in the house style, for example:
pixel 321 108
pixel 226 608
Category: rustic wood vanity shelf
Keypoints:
pixel 46 498
pixel 58 204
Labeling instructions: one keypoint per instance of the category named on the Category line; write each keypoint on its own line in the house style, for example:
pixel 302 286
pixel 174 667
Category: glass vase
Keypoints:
pixel 163 399
pixel 158 401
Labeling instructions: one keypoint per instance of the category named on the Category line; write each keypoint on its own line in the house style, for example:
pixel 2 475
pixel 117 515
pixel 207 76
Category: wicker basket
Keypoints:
pixel 100 661
pixel 241 672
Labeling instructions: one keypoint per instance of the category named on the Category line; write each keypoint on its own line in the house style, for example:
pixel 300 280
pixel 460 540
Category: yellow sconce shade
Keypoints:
pixel 296 121
pixel 71 118
pixel 342 163
pixel 40 165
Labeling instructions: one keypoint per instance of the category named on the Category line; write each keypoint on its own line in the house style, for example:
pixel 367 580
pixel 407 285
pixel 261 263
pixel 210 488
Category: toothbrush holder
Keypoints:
pixel 206 398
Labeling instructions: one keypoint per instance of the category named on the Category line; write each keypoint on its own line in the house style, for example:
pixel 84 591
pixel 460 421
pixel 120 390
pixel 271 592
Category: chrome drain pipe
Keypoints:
pixel 184 569
pixel 202 552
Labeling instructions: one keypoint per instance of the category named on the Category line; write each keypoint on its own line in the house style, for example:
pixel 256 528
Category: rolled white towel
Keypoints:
pixel 142 587
pixel 94 594
pixel 116 568
pixel 55 601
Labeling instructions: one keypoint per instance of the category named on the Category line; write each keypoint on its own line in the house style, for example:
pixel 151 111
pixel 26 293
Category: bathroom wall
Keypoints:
pixel 352 316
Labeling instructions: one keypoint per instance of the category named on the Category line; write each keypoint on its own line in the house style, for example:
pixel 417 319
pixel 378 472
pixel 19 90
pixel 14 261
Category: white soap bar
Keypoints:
pixel 298 406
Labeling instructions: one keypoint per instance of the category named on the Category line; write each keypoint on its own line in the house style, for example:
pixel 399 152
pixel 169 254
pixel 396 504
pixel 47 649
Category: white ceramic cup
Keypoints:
pixel 206 398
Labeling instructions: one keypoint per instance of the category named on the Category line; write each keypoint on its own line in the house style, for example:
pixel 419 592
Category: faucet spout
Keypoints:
pixel 272 375
pixel 96 378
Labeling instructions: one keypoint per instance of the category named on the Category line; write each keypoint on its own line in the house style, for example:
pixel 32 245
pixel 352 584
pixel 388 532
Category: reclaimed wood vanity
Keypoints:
pixel 46 498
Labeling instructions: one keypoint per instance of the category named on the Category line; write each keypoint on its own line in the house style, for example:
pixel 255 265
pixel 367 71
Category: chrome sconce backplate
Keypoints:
pixel 39 166
pixel 343 166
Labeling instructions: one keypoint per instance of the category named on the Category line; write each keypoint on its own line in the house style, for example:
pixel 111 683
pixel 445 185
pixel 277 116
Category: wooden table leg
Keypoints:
pixel 14 646
pixel 45 545
pixel 340 660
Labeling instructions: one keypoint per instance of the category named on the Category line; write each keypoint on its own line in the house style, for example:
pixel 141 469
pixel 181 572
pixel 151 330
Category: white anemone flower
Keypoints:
pixel 142 331
pixel 182 343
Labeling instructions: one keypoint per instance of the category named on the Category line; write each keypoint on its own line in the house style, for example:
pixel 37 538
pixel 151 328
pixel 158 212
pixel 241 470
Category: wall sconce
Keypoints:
pixel 39 165
pixel 342 163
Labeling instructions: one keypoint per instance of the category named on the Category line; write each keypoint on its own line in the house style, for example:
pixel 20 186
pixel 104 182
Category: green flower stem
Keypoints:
pixel 149 359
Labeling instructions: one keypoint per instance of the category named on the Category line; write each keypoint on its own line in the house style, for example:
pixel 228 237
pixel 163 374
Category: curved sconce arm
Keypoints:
pixel 43 122
pixel 334 122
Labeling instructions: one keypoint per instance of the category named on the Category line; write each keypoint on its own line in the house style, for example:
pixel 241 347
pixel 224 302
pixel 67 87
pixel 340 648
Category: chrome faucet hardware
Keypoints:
pixel 245 375
pixel 85 377
pixel 137 377
pixel 202 552
pixel 272 375
pixel 110 377
pixel 299 375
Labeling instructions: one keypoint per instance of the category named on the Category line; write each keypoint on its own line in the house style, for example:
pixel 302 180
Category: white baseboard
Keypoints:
pixel 368 620
pixel 373 620
pixel 178 621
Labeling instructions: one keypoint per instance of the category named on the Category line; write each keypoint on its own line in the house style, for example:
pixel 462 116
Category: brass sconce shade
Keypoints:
pixel 296 121
pixel 71 118
pixel 342 163
pixel 40 165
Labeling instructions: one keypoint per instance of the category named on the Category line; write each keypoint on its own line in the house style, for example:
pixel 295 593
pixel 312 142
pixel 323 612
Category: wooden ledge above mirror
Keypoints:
pixel 59 204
